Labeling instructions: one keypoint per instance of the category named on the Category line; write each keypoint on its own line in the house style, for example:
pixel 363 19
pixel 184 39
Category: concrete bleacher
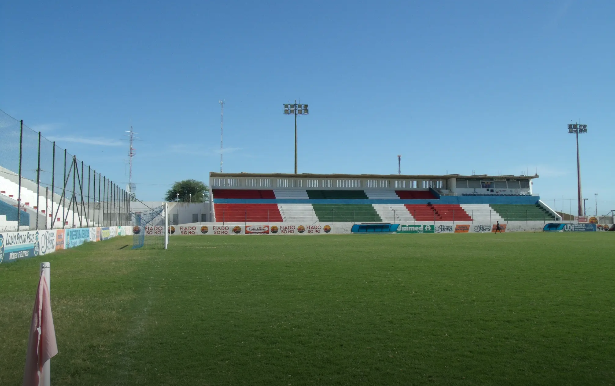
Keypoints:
pixel 247 213
pixel 451 212
pixel 522 212
pixel 346 213
pixel 482 213
pixel 9 193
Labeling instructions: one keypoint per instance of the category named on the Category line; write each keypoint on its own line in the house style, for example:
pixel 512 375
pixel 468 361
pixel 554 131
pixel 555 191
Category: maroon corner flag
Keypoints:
pixel 42 342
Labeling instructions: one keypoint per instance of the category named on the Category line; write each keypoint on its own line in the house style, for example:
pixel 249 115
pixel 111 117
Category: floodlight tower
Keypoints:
pixel 296 109
pixel 399 164
pixel 576 128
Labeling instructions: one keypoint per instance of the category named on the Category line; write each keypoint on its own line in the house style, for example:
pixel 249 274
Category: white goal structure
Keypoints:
pixel 151 228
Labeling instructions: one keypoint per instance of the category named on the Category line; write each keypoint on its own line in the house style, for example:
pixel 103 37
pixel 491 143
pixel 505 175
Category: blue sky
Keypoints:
pixel 452 86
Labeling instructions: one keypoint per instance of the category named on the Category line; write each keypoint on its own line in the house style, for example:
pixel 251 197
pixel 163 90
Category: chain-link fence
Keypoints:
pixel 42 186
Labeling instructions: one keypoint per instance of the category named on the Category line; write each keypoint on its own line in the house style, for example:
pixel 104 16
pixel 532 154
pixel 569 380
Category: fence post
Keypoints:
pixel 47 206
pixel 89 208
pixel 53 180
pixel 74 197
pixel 453 216
pixel 19 182
pixel 104 195
pixel 38 179
pixel 64 194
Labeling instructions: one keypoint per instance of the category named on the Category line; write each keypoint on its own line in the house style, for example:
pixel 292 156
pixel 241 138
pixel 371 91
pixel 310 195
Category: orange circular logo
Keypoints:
pixel 327 229
pixel 171 229
pixel 136 230
pixel 204 229
pixel 274 229
pixel 300 229
pixel 237 229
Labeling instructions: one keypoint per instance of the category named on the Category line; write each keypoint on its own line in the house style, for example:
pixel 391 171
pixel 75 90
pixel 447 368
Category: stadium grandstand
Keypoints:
pixel 371 198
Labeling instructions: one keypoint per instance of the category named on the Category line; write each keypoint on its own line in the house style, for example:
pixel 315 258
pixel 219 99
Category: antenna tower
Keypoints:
pixel 221 132
pixel 399 164
pixel 131 153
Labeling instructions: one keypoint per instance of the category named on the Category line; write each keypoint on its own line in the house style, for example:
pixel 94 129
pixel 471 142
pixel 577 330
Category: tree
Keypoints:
pixel 183 190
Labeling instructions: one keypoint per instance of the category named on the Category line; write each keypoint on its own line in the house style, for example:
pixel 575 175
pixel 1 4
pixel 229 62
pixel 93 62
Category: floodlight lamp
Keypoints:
pixel 570 131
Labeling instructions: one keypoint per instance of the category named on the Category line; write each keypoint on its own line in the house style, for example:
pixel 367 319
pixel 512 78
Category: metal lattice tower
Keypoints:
pixel 131 153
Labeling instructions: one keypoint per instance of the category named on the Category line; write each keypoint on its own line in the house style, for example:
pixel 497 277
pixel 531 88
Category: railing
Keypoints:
pixel 65 191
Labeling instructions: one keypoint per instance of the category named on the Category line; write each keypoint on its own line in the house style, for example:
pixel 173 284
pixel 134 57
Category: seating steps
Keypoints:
pixel 482 213
pixel 423 212
pixel 243 194
pixel 522 212
pixel 381 195
pixel 393 213
pixel 346 213
pixel 336 195
pixel 247 213
pixel 415 195
pixel 297 194
pixel 451 212
pixel 302 213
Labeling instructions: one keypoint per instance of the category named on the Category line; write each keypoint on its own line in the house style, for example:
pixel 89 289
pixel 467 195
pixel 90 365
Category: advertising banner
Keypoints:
pixel 502 228
pixel 19 245
pixel 76 237
pixel 444 229
pixel 587 227
pixel 60 239
pixel 257 230
pixel 462 228
pixel 416 229
pixel 46 242
pixel 105 233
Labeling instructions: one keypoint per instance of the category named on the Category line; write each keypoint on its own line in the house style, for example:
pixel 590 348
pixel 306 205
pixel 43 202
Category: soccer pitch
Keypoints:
pixel 475 309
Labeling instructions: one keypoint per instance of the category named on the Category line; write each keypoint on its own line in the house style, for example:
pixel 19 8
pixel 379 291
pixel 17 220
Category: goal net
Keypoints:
pixel 150 228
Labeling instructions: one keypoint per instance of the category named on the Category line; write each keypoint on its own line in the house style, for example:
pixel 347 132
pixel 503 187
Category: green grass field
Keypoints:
pixel 466 309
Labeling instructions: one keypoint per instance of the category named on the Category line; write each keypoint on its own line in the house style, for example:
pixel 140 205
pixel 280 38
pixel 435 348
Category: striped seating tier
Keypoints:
pixel 346 213
pixel 336 195
pixel 415 195
pixel 243 194
pixel 247 213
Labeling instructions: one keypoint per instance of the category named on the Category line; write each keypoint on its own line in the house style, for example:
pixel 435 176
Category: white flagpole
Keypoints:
pixel 45 379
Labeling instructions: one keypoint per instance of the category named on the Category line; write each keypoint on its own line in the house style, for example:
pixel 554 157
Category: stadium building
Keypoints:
pixel 370 198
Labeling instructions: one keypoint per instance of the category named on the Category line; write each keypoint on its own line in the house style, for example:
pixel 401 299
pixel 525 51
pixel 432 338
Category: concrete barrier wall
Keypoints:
pixel 25 244
pixel 208 229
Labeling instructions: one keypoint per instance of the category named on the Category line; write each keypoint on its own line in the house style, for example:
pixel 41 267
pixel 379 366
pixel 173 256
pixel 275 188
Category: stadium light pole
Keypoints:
pixel 584 207
pixel 596 195
pixel 576 128
pixel 296 109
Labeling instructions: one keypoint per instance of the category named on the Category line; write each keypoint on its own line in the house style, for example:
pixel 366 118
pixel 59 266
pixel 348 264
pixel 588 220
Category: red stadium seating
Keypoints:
pixel 243 194
pixel 247 213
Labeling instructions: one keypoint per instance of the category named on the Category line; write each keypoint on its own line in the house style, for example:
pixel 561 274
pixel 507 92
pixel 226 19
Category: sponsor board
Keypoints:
pixel 582 219
pixel 105 234
pixel 257 230
pixel 76 237
pixel 444 229
pixel 462 228
pixel 187 230
pixel 46 242
pixel 587 227
pixel 60 239
pixel 593 220
pixel 19 245
pixel 481 228
pixel 98 233
pixel 154 230
pixel 416 229
pixel 502 228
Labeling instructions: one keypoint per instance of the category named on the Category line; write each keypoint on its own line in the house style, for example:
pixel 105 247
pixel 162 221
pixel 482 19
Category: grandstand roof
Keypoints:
pixel 385 176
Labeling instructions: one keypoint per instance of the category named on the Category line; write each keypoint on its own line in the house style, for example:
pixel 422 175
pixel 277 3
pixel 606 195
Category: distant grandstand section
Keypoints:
pixel 367 198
